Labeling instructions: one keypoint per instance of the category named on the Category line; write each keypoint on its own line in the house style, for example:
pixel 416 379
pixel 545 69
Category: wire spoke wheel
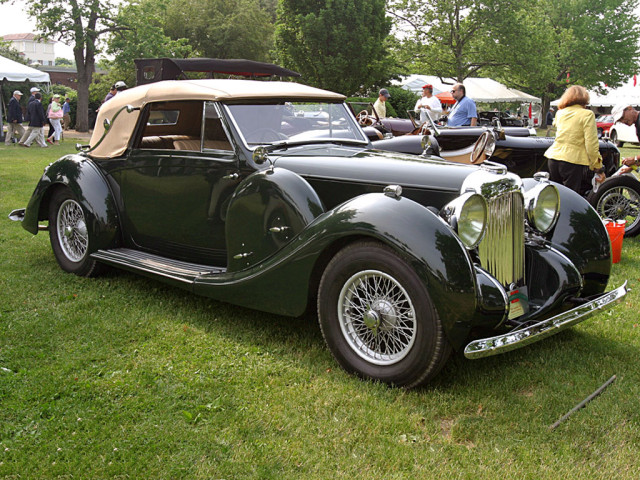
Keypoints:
pixel 377 317
pixel 619 199
pixel 72 231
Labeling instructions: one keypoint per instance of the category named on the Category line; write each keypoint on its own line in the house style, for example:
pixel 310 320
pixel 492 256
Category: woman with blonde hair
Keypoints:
pixel 576 149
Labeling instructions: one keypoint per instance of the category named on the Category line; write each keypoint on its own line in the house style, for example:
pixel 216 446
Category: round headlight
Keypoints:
pixel 543 206
pixel 467 215
pixel 472 221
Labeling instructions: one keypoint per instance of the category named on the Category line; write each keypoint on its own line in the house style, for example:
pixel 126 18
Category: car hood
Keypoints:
pixel 355 165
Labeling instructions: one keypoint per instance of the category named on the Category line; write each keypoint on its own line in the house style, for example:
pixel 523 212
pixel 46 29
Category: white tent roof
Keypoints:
pixel 16 72
pixel 484 90
pixel 627 93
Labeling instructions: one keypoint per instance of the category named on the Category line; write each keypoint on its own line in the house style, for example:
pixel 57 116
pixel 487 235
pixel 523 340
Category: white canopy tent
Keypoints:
pixel 481 90
pixel 627 93
pixel 11 71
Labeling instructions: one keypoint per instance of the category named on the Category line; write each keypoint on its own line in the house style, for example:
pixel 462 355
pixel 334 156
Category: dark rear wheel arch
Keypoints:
pixel 618 198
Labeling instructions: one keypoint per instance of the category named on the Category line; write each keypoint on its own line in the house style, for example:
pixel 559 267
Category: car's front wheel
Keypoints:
pixel 69 234
pixel 618 198
pixel 378 319
pixel 613 136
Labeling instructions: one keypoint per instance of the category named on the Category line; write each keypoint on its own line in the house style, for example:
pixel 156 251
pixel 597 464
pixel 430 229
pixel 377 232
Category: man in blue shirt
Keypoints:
pixel 464 110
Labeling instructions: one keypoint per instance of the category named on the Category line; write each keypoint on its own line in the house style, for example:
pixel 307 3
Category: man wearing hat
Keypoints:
pixel 29 129
pixel 379 106
pixel 14 118
pixel 625 113
pixel 428 103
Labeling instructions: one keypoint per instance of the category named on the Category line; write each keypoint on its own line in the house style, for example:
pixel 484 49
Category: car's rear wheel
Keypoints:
pixel 613 136
pixel 378 319
pixel 618 198
pixel 69 234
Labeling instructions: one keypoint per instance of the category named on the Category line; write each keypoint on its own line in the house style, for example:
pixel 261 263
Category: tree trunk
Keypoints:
pixel 85 67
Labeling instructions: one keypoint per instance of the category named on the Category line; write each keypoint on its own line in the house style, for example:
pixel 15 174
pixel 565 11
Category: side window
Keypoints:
pixel 214 134
pixel 172 126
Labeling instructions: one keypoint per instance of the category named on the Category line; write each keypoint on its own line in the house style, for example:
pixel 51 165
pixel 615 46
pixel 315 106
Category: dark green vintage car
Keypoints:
pixel 268 195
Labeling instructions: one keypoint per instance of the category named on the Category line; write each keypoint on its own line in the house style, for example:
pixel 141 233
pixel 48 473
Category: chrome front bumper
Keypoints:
pixel 486 347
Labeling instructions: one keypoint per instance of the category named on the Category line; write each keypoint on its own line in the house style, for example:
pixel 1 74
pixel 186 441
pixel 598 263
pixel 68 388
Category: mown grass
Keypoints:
pixel 124 377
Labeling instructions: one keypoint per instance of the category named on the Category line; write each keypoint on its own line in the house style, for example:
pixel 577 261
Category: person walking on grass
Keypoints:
pixel 37 121
pixel 14 118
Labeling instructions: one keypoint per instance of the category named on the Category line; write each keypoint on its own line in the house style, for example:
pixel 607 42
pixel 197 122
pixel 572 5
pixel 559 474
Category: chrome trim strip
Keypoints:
pixel 486 347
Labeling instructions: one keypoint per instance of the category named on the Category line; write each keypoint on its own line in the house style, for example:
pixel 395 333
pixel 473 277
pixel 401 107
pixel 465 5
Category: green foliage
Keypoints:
pixel 402 100
pixel 452 38
pixel 141 35
pixel 64 62
pixel 223 28
pixel 8 51
pixel 338 45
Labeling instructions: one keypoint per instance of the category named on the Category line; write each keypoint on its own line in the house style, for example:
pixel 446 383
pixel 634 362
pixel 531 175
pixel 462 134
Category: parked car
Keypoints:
pixel 619 133
pixel 378 128
pixel 241 191
pixel 487 119
pixel 604 123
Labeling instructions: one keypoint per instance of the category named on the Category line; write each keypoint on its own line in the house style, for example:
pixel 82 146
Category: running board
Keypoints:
pixel 155 265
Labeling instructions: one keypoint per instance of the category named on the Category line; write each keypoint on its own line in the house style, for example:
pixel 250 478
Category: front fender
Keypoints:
pixel 280 284
pixel 581 236
pixel 91 190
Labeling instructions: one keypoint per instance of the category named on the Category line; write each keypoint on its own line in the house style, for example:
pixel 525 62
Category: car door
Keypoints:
pixel 176 183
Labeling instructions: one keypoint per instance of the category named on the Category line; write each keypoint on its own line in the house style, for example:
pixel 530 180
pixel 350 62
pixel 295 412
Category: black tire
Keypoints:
pixel 613 136
pixel 397 338
pixel 69 235
pixel 618 198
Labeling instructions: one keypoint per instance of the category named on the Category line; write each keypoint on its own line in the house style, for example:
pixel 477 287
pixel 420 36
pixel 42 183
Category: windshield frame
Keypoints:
pixel 348 123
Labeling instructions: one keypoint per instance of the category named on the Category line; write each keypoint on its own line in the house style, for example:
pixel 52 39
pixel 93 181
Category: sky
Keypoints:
pixel 14 20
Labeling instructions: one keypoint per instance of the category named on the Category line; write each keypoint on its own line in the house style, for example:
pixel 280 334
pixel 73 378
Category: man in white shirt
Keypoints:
pixel 428 103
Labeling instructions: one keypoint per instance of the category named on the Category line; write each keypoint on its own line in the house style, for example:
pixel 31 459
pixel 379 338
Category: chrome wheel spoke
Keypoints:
pixel 377 317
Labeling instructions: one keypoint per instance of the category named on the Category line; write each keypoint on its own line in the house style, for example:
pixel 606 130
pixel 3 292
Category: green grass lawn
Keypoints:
pixel 126 378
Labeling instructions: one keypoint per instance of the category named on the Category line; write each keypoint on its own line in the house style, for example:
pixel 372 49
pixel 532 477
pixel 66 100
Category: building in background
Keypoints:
pixel 40 51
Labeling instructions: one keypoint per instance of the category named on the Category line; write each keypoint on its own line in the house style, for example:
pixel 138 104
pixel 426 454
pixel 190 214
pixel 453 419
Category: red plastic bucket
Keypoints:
pixel 616 234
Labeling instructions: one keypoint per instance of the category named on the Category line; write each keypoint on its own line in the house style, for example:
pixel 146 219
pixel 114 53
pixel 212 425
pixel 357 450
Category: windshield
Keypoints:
pixel 295 122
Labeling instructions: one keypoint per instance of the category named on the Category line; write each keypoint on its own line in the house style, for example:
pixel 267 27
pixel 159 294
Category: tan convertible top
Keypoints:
pixel 117 139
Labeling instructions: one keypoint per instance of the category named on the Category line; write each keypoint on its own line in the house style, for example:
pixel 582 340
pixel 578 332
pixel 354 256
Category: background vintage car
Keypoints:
pixel 619 133
pixel 604 123
pixel 268 195
pixel 487 119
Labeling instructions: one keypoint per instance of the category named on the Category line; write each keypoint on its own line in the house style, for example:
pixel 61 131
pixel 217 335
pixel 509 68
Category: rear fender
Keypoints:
pixel 89 187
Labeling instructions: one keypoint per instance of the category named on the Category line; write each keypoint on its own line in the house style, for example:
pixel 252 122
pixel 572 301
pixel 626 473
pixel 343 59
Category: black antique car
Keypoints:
pixel 506 120
pixel 268 195
pixel 378 128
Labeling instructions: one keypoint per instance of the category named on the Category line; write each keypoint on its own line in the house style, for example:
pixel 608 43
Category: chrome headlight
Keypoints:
pixel 542 204
pixel 467 215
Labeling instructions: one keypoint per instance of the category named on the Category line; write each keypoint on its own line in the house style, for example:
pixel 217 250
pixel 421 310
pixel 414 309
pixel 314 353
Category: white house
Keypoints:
pixel 36 51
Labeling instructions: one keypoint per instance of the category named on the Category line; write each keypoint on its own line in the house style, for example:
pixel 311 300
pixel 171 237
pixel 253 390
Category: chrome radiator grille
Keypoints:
pixel 502 249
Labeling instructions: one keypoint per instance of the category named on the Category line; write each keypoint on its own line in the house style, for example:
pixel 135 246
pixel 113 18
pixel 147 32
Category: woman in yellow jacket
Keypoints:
pixel 576 149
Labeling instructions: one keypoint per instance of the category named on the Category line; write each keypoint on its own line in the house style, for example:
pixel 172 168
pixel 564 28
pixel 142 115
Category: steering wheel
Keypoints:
pixel 478 153
pixel 364 119
pixel 267 135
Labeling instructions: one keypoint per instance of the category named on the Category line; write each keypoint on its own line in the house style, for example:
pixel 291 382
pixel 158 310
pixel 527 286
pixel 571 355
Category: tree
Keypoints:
pixel 592 43
pixel 80 23
pixel 338 45
pixel 452 38
pixel 7 51
pixel 143 36
pixel 223 28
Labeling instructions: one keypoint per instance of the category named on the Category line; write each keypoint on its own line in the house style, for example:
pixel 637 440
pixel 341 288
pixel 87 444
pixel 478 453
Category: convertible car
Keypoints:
pixel 268 195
